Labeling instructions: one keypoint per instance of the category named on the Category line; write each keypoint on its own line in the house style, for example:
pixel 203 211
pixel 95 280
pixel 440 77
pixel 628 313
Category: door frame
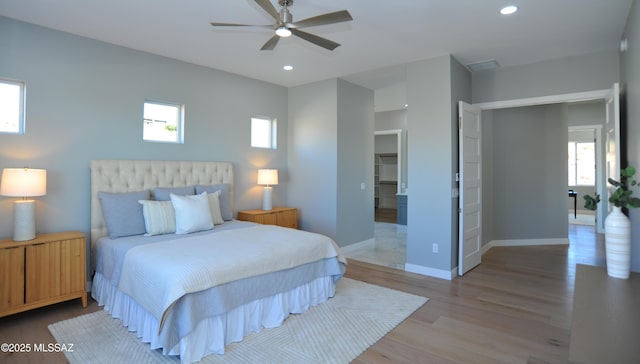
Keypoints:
pixel 603 94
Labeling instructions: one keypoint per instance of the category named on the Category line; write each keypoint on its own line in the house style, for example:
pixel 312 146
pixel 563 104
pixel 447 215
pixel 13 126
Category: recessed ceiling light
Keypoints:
pixel 287 67
pixel 510 9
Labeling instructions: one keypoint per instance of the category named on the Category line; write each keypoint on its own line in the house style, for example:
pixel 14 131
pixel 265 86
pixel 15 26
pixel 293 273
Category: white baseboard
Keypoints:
pixel 449 275
pixel 444 274
pixel 525 242
pixel 431 272
pixel 355 246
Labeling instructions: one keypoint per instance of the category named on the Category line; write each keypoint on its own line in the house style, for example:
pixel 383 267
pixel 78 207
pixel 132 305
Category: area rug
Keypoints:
pixel 336 331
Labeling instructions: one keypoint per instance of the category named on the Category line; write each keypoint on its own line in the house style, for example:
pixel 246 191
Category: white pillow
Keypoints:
pixel 192 213
pixel 214 206
pixel 159 217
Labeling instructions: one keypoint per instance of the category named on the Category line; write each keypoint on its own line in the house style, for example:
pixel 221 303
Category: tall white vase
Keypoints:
pixel 617 236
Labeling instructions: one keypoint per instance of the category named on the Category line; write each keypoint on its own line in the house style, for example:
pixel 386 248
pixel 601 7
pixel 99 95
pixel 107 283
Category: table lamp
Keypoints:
pixel 267 178
pixel 23 182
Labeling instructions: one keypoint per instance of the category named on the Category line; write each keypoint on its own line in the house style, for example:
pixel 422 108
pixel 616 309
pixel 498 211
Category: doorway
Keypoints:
pixel 585 161
pixel 612 158
pixel 389 245
pixel 389 183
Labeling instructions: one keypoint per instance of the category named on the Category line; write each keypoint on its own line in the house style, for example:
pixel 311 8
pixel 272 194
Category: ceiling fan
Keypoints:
pixel 285 26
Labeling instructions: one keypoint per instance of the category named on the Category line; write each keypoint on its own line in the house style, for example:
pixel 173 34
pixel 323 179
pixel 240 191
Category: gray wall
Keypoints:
pixel 596 71
pixel 84 101
pixel 488 184
pixel 331 147
pixel 630 75
pixel 434 88
pixel 313 155
pixel 355 207
pixel 387 143
pixel 529 173
pixel 394 119
pixel 429 123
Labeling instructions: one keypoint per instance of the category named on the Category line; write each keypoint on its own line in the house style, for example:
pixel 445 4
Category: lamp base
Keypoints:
pixel 24 220
pixel 266 198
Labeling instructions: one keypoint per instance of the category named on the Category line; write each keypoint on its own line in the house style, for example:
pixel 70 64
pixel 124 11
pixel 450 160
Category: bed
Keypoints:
pixel 189 289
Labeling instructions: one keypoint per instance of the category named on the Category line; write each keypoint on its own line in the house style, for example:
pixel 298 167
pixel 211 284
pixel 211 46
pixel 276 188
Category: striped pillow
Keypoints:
pixel 159 217
pixel 214 206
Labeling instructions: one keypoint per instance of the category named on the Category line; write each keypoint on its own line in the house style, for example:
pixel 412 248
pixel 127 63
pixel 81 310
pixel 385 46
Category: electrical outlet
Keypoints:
pixel 362 186
pixel 434 248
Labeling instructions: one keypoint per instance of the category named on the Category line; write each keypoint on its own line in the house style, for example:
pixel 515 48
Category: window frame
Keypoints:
pixel 272 137
pixel 21 105
pixel 179 125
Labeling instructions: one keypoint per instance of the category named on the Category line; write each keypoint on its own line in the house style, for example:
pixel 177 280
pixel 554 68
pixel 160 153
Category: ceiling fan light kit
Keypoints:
pixel 285 26
pixel 283 32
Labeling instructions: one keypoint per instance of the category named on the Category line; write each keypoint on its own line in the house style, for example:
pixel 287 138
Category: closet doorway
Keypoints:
pixel 390 199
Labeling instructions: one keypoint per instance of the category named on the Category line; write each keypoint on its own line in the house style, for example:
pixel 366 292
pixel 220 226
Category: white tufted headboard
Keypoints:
pixel 139 175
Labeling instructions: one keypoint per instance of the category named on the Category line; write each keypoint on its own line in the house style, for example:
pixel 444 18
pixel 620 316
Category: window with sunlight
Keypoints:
pixel 163 122
pixel 263 133
pixel 12 98
pixel 582 164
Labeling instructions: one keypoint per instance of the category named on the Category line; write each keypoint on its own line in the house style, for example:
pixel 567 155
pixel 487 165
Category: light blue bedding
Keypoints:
pixel 192 308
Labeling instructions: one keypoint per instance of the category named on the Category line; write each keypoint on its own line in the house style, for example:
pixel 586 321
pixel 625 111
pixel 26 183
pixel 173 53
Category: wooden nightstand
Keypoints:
pixel 48 269
pixel 281 216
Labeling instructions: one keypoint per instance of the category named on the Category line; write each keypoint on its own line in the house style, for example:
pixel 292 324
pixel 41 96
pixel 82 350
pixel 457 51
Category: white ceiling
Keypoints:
pixel 382 36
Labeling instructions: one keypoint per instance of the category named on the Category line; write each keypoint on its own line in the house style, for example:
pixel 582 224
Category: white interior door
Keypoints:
pixel 470 202
pixel 612 151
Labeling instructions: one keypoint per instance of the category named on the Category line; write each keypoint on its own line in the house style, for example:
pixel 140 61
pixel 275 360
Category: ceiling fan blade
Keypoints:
pixel 319 41
pixel 268 7
pixel 241 25
pixel 271 43
pixel 324 19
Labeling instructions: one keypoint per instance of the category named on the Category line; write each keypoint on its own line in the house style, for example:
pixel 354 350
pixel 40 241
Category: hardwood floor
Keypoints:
pixel 513 308
pixel 386 215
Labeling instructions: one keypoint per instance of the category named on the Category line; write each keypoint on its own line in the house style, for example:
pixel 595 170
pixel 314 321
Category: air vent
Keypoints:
pixel 483 65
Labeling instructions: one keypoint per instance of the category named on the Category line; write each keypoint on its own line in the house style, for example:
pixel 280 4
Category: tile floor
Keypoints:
pixel 389 247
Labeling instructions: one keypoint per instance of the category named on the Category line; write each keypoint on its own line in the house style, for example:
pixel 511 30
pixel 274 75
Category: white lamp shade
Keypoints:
pixel 23 182
pixel 267 177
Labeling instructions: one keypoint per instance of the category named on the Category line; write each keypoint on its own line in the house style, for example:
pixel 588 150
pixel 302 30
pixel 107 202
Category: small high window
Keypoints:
pixel 163 122
pixel 263 133
pixel 12 99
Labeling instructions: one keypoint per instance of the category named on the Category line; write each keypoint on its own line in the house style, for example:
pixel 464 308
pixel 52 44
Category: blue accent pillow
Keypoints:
pixel 225 199
pixel 122 213
pixel 163 194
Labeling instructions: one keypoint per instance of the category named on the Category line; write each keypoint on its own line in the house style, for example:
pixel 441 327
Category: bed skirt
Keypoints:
pixel 211 335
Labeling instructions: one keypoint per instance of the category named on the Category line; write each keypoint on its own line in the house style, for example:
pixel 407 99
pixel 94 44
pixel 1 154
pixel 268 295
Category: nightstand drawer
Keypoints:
pixel 281 216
